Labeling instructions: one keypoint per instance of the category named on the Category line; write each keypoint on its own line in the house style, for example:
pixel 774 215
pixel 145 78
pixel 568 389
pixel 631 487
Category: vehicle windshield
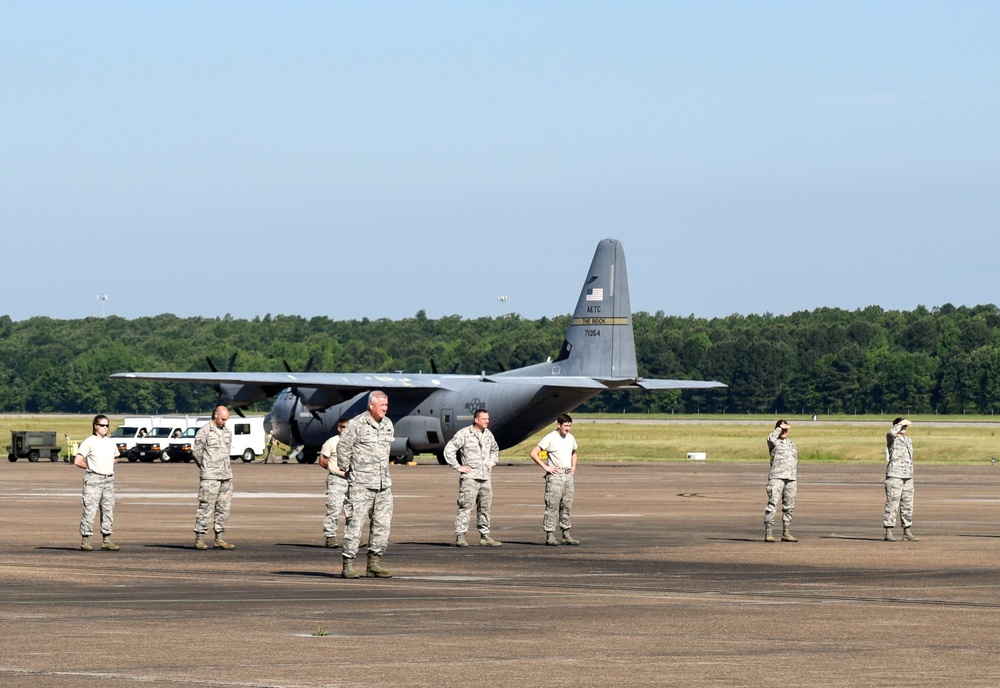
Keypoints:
pixel 160 432
pixel 125 431
pixel 187 434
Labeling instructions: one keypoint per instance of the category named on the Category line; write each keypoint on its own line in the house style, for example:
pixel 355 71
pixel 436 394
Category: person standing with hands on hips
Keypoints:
pixel 898 480
pixel 98 455
pixel 473 452
pixel 560 467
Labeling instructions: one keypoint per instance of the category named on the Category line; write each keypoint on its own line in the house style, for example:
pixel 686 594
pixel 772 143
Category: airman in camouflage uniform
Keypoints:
pixel 781 482
pixel 211 451
pixel 363 453
pixel 898 480
pixel 336 486
pixel 473 452
pixel 559 465
pixel 98 455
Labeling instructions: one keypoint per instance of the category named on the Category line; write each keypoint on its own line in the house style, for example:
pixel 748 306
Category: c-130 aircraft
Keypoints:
pixel 598 354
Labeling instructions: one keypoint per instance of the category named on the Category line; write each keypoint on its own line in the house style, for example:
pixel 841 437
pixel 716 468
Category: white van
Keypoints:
pixel 126 434
pixel 249 440
pixel 165 428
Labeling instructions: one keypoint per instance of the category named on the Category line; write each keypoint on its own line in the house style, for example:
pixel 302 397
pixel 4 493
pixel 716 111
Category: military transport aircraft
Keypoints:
pixel 598 354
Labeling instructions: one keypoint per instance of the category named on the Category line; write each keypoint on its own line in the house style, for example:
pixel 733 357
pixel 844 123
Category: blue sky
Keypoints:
pixel 376 159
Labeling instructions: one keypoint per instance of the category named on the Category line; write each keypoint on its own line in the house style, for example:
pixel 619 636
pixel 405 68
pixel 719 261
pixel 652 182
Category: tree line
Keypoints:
pixel 941 360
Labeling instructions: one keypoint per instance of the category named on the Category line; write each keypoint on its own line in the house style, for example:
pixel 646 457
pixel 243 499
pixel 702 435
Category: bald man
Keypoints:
pixel 215 491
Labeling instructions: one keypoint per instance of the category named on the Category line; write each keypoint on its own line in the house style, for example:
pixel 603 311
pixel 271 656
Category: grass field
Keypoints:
pixel 948 440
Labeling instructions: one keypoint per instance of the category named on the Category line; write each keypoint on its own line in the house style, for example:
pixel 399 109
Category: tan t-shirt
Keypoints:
pixel 329 450
pixel 100 453
pixel 560 449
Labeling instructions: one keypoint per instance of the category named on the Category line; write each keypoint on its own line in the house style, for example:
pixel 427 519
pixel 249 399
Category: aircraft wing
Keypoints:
pixel 675 384
pixel 569 381
pixel 278 381
pixel 581 382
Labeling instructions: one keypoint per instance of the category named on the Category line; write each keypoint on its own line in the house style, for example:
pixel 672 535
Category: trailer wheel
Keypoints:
pixel 53 457
pixel 248 455
pixel 33 456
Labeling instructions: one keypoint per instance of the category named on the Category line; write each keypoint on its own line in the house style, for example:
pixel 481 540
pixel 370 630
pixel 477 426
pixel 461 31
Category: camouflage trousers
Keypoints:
pixel 474 493
pixel 783 491
pixel 215 497
pixel 558 501
pixel 898 496
pixel 336 501
pixel 98 492
pixel 377 505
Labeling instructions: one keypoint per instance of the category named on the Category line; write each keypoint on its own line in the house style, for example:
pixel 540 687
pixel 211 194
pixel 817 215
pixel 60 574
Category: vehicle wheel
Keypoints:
pixel 132 457
pixel 54 457
pixel 33 457
pixel 249 456
pixel 12 458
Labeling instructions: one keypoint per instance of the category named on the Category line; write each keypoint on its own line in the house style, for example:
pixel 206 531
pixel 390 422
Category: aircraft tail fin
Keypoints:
pixel 599 349
pixel 600 342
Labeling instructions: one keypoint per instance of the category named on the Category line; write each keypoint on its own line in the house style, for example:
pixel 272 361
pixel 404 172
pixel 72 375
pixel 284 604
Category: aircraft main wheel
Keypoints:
pixel 249 456
pixel 440 458
pixel 406 457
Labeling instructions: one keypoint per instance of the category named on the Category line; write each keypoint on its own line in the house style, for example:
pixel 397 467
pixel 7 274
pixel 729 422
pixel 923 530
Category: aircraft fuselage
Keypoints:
pixel 424 422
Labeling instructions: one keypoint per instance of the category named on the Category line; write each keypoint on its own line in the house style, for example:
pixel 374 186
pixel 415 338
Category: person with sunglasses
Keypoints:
pixel 98 455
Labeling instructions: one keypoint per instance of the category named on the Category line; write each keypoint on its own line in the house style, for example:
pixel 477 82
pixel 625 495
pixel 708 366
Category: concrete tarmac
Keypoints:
pixel 672 585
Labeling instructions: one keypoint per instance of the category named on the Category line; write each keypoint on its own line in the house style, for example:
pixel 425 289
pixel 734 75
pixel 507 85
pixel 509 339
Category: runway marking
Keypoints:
pixel 454 579
pixel 144 678
pixel 122 494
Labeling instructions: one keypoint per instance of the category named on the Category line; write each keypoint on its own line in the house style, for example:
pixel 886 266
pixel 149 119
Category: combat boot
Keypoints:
pixel 786 535
pixel 349 571
pixel 460 540
pixel 550 538
pixel 331 542
pixel 768 533
pixel 486 541
pixel 85 544
pixel 888 535
pixel 909 536
pixel 567 539
pixel 374 570
pixel 222 544
pixel 199 541
pixel 108 545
